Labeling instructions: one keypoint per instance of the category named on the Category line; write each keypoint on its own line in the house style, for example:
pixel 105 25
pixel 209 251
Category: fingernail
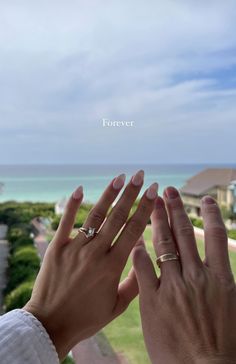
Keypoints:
pixel 77 194
pixel 209 200
pixel 159 203
pixel 137 179
pixel 171 192
pixel 152 191
pixel 119 182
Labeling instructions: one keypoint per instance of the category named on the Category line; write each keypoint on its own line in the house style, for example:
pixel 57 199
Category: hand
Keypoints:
pixel 189 312
pixel 77 291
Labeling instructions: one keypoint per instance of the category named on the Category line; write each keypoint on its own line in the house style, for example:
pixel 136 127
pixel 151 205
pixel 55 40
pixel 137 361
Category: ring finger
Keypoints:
pixel 162 238
pixel 99 211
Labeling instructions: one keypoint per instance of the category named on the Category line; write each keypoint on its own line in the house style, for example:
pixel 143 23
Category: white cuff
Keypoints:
pixel 24 340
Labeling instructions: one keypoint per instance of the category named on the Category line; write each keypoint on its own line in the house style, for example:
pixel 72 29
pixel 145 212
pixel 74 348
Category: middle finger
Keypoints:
pixel 120 211
pixel 182 229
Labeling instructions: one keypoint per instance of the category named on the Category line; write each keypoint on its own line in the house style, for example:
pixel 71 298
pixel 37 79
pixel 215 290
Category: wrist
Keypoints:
pixel 56 333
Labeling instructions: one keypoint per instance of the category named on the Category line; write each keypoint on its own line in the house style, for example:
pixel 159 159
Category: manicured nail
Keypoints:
pixel 119 182
pixel 152 191
pixel 77 194
pixel 171 192
pixel 209 200
pixel 137 179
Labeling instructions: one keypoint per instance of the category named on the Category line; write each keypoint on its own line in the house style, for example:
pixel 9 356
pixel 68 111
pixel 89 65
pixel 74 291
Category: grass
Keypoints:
pixel 125 334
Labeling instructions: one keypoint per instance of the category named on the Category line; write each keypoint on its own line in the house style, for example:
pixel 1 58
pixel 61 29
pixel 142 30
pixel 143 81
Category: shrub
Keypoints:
pixel 232 234
pixel 24 241
pixel 81 217
pixel 24 265
pixel 17 232
pixel 55 222
pixel 19 296
pixel 12 212
pixel 197 222
pixel 68 360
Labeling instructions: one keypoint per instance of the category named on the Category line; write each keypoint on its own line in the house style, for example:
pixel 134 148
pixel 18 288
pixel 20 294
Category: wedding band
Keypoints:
pixel 89 232
pixel 166 257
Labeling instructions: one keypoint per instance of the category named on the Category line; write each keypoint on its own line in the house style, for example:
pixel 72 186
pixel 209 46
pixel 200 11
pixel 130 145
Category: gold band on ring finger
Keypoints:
pixel 166 257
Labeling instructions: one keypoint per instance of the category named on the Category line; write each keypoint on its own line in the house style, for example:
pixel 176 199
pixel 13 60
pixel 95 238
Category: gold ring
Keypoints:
pixel 166 257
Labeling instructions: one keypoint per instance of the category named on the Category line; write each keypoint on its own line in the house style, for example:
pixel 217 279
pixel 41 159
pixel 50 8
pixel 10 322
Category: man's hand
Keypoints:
pixel 189 312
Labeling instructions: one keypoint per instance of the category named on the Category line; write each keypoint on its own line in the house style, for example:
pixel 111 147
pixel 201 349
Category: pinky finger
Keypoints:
pixel 68 218
pixel 144 269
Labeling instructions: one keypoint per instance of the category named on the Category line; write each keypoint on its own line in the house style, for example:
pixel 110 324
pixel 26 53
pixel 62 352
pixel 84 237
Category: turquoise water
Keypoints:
pixel 52 182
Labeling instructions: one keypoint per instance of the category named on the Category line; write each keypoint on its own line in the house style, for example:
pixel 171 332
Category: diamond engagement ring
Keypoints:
pixel 89 232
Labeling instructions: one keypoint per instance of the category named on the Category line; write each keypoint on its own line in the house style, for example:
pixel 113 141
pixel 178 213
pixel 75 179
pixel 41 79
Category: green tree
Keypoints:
pixel 19 296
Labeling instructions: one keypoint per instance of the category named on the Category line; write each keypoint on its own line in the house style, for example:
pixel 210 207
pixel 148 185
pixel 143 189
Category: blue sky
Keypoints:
pixel 169 66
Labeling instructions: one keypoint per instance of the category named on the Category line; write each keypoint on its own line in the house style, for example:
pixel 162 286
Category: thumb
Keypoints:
pixel 143 267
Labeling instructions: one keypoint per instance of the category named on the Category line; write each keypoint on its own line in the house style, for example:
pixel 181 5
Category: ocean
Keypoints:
pixel 50 183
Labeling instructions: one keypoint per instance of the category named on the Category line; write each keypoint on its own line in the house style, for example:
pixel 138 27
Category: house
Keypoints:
pixel 219 183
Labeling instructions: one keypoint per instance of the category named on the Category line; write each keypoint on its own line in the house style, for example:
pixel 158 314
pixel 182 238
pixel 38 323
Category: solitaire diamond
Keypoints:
pixel 90 232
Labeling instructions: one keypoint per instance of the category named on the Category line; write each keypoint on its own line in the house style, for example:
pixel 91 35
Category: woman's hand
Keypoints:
pixel 78 289
pixel 189 313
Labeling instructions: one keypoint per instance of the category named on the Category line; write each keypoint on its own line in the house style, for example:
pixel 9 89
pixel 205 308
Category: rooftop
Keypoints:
pixel 208 179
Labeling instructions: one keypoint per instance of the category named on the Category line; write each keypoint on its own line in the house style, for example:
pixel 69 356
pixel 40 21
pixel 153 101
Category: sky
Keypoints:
pixel 168 66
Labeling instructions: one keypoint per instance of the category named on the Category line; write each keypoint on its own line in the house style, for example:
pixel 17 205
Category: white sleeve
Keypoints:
pixel 23 340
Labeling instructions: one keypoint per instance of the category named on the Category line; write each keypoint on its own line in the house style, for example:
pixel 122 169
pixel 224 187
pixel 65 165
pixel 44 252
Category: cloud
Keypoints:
pixel 169 66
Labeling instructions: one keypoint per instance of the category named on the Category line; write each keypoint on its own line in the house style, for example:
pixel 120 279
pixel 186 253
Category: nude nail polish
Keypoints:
pixel 77 194
pixel 119 182
pixel 152 191
pixel 137 179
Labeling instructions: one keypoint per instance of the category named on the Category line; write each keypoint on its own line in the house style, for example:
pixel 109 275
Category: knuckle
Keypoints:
pixel 97 215
pixel 217 231
pixel 174 286
pixel 119 216
pixel 185 230
pixel 142 209
pixel 135 228
pixel 196 278
pixel 164 240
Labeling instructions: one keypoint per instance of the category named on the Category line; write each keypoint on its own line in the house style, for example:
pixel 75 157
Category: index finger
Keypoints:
pixel 135 226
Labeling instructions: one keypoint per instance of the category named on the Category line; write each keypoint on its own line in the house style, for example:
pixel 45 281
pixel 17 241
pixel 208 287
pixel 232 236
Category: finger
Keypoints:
pixel 100 210
pixel 144 270
pixel 139 242
pixel 135 226
pixel 216 240
pixel 127 291
pixel 182 229
pixel 120 212
pixel 68 218
pixel 163 239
